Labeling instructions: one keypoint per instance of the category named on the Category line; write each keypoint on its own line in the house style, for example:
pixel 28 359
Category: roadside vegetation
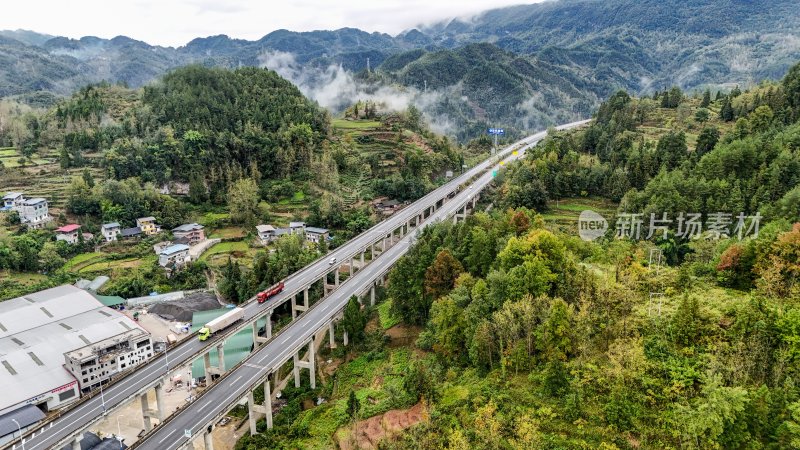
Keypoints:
pixel 266 155
pixel 525 336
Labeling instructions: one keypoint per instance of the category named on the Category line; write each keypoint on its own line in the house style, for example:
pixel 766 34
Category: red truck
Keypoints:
pixel 274 290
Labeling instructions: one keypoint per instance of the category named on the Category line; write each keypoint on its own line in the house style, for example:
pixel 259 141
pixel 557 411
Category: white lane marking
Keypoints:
pixel 535 138
pixel 234 381
pixel 165 437
pixel 124 387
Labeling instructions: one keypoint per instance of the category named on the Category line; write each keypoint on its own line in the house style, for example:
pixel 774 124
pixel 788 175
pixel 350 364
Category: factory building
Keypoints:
pixel 61 341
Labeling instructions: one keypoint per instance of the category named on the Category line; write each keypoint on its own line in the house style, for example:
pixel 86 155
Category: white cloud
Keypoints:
pixel 176 22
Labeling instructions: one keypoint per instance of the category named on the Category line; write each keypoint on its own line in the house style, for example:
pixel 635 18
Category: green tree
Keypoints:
pixel 726 112
pixel 354 320
pixel 556 332
pixel 701 115
pixel 706 419
pixel 706 99
pixel 49 258
pixel 706 141
pixel 761 119
pixel 671 149
pixel 198 193
pixel 525 189
pixel 353 405
pixel 26 250
pixel 243 202
pixel 448 326
pixel 231 281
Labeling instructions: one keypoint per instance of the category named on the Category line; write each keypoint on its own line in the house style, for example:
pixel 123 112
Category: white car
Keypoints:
pixel 332 261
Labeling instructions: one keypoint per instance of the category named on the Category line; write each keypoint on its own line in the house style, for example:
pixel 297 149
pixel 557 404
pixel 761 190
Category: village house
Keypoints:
pixel 110 231
pixel 68 233
pixel 34 212
pixel 174 256
pixel 314 234
pixel 266 233
pixel 387 207
pixel 297 227
pixel 130 233
pixel 191 233
pixel 148 225
pixel 13 200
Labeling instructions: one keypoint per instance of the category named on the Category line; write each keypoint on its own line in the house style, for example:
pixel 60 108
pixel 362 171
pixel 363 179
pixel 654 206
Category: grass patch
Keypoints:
pixel 25 279
pixel 225 247
pixel 385 316
pixel 228 233
pixel 355 124
pixel 103 266
pixel 82 259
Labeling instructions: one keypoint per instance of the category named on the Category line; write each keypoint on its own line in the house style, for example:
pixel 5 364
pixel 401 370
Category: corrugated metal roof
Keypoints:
pixel 172 249
pixel 97 283
pixel 37 365
pixel 188 227
pixel 109 300
pixel 26 416
pixel 316 230
pixel 68 228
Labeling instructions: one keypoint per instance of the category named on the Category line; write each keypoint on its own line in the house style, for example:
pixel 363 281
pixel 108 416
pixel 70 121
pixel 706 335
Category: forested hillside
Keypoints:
pixel 227 148
pixel 561 57
pixel 507 330
pixel 480 85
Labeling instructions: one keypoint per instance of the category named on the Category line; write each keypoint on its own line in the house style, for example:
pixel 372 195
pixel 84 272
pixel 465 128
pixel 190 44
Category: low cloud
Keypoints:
pixel 336 89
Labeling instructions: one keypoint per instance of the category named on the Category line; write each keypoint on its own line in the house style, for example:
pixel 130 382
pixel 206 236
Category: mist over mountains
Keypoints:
pixel 521 67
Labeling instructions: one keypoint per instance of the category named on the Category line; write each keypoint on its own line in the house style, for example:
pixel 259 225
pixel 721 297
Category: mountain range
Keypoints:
pixel 522 66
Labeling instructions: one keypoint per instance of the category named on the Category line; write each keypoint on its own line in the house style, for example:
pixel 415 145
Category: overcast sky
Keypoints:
pixel 176 22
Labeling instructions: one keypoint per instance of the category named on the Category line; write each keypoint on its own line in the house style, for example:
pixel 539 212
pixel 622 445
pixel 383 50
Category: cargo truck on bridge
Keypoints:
pixel 220 323
pixel 267 294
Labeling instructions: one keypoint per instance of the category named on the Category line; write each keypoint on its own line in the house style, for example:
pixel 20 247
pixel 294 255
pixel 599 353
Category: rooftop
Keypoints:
pixel 111 225
pixel 34 201
pixel 264 228
pixel 68 228
pixel 25 416
pixel 188 227
pixel 12 195
pixel 316 230
pixel 172 249
pixel 125 232
pixel 146 219
pixel 37 329
pixel 297 224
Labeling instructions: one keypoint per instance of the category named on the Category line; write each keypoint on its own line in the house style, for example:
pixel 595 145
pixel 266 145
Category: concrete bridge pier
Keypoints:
pixel 331 335
pixel 372 295
pixel 254 411
pixel 207 440
pixel 76 443
pixel 258 340
pixel 221 357
pixel 307 363
pixel 189 445
pixel 149 414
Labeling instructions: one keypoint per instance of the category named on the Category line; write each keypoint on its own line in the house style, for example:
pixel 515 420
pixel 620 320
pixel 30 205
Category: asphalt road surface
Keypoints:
pixel 121 391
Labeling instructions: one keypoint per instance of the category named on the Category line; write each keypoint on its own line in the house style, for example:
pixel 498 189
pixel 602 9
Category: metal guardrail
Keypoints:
pixel 297 345
pixel 519 145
